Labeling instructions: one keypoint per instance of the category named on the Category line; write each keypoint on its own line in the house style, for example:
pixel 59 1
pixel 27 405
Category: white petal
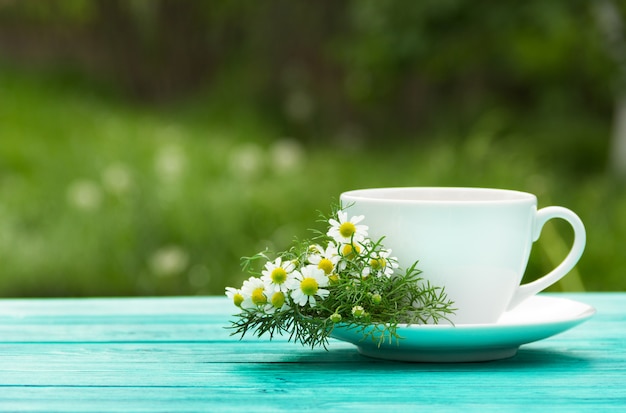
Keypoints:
pixel 357 219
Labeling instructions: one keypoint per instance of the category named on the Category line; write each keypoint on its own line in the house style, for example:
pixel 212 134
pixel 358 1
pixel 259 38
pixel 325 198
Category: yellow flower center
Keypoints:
pixel 350 250
pixel 334 278
pixel 347 229
pixel 258 297
pixel 278 299
pixel 309 286
pixel 238 299
pixel 378 263
pixel 279 275
pixel 326 265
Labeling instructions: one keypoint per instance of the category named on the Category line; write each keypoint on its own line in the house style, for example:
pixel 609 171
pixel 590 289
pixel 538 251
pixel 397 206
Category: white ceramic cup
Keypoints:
pixel 475 242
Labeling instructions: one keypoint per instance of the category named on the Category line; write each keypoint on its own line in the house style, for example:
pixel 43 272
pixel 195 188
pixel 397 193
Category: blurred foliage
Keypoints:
pixel 146 145
pixel 318 66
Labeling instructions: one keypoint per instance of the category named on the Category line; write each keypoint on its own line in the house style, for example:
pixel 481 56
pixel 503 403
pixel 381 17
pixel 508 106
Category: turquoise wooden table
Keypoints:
pixel 174 355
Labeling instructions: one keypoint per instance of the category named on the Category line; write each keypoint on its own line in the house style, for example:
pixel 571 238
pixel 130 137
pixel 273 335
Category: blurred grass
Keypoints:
pixel 99 197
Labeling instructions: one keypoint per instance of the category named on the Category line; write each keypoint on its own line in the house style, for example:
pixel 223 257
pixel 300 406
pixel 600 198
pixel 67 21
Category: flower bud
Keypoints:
pixel 358 311
pixel 335 317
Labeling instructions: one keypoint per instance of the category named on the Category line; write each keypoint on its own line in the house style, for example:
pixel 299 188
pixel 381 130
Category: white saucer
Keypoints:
pixel 537 318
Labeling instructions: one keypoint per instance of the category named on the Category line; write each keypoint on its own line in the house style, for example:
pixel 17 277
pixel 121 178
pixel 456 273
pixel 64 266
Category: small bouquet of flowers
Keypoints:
pixel 338 278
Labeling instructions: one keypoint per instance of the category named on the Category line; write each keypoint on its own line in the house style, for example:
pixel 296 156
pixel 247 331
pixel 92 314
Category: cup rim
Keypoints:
pixel 438 195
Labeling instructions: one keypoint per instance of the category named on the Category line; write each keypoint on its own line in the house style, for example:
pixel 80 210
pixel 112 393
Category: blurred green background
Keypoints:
pixel 145 146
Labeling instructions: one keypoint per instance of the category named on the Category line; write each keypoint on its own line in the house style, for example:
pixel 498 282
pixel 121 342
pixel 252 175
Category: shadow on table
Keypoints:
pixel 349 359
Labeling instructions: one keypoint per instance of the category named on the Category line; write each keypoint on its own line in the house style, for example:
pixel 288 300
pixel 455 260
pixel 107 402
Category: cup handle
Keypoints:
pixel 544 215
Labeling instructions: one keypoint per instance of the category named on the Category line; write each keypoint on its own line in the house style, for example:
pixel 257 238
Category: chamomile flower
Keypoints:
pixel 348 252
pixel 344 230
pixel 235 295
pixel 381 264
pixel 306 285
pixel 276 274
pixel 325 259
pixel 277 302
pixel 254 293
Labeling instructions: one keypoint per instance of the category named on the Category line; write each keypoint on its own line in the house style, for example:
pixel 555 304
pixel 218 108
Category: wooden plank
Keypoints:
pixel 258 399
pixel 218 306
pixel 185 365
pixel 160 319
pixel 167 306
pixel 114 306
pixel 287 387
